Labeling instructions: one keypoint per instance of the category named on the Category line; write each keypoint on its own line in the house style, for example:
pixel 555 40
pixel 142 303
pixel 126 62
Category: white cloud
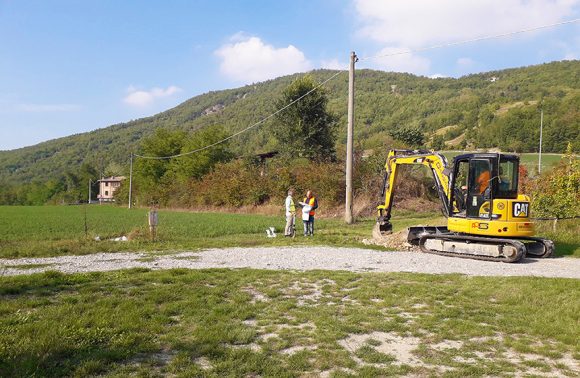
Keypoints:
pixel 437 76
pixel 142 98
pixel 465 62
pixel 249 59
pixel 420 23
pixel 46 108
pixel 398 60
pixel 333 64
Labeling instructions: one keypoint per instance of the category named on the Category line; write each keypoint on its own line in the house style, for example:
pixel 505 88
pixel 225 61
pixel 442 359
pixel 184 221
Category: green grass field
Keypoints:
pixel 217 323
pixel 33 231
pixel 60 230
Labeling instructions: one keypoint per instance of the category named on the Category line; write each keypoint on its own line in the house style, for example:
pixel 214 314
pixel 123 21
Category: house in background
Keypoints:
pixel 107 188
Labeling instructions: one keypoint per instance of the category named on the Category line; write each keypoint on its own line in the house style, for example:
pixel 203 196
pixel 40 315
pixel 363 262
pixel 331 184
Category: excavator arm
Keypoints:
pixel 436 163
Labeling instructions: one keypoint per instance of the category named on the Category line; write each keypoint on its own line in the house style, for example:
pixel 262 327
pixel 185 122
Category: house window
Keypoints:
pixel 106 192
pixel 106 184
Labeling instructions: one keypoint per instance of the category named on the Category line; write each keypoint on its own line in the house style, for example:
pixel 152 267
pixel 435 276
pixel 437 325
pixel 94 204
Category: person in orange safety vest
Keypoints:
pixel 310 203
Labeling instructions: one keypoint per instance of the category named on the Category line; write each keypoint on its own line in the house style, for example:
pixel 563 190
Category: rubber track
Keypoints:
pixel 548 247
pixel 520 247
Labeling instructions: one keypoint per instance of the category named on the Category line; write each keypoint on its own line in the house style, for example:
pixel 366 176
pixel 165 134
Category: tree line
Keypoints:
pixel 308 154
pixel 476 112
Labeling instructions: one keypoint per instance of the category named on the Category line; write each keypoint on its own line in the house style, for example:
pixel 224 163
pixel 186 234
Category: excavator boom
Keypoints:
pixel 437 164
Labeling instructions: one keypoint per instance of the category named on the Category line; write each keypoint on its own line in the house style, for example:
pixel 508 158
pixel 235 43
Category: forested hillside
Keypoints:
pixel 497 109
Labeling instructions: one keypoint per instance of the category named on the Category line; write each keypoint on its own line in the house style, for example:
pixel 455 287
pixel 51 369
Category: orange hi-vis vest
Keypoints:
pixel 310 202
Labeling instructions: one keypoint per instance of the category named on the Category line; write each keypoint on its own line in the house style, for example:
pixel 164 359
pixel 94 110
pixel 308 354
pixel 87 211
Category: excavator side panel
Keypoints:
pixel 496 228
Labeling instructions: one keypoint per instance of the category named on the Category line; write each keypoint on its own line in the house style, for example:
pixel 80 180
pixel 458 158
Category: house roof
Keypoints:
pixel 112 179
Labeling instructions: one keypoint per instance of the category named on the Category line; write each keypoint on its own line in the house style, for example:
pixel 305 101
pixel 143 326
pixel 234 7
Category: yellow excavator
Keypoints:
pixel 487 219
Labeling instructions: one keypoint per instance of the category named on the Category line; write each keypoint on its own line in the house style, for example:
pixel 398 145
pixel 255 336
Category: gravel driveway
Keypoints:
pixel 295 258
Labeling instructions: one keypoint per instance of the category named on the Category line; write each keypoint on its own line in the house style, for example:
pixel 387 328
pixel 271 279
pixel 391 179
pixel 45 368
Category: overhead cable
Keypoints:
pixel 404 52
pixel 247 128
pixel 477 39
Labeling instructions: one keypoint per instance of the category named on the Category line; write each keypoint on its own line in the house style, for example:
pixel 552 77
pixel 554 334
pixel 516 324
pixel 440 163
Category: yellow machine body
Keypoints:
pixel 504 222
pixel 487 219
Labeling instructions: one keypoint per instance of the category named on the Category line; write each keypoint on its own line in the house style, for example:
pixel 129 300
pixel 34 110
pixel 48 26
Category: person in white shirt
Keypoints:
pixel 290 214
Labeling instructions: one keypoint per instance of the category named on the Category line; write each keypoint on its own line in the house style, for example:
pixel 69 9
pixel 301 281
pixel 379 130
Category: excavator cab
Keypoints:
pixel 479 179
pixel 487 219
pixel 484 194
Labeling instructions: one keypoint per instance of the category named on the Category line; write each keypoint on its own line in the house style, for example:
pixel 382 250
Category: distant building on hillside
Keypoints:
pixel 107 188
pixel 262 160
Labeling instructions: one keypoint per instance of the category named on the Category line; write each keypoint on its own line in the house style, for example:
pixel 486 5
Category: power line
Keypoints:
pixel 244 130
pixel 404 52
pixel 477 39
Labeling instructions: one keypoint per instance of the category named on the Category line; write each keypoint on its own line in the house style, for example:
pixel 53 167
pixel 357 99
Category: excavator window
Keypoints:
pixel 507 186
pixel 460 187
pixel 479 185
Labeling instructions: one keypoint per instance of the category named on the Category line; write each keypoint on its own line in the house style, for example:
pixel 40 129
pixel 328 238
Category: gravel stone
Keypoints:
pixel 298 259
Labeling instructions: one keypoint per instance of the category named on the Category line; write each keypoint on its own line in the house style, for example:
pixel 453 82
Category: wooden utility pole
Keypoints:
pixel 540 151
pixel 131 181
pixel 348 218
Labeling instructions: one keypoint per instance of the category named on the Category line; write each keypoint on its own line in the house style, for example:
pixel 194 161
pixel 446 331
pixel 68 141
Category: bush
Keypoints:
pixel 557 193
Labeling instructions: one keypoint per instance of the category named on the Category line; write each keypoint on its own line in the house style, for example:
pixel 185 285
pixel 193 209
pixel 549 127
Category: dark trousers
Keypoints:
pixel 309 226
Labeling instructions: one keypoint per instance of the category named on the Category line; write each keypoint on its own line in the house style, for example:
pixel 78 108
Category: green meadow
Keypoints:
pixel 60 230
pixel 219 322
pixel 36 231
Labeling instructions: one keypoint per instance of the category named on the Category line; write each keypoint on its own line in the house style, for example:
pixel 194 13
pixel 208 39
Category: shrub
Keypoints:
pixel 557 192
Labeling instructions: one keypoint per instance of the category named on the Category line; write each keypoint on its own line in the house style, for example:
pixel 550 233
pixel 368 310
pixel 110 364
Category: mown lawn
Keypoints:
pixel 219 323
pixel 60 230
pixel 34 231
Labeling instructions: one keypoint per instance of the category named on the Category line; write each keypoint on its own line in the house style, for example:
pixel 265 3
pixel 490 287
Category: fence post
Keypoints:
pixel 554 224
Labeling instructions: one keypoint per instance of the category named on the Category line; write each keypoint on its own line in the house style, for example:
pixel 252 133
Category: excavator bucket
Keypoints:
pixel 381 230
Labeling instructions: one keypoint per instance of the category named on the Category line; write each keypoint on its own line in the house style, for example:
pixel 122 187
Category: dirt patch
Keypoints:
pixel 256 295
pixel 203 363
pixel 455 141
pixel 298 348
pixel 399 347
pixel 448 344
pixel 406 350
pixel 507 107
pixel 396 240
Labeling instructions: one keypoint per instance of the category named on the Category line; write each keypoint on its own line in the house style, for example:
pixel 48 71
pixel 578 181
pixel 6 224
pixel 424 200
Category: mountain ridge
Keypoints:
pixel 384 101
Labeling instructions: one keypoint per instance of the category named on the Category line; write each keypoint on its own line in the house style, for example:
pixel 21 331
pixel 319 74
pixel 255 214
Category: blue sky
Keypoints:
pixel 68 67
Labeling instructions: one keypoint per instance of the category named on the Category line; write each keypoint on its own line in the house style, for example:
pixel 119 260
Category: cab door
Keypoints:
pixel 479 188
